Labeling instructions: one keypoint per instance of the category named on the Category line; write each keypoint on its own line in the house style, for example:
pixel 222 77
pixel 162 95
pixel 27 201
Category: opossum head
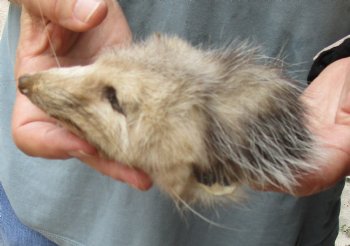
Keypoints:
pixel 199 122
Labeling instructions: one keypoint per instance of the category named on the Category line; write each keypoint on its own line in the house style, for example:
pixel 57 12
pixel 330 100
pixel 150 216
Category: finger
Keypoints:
pixel 343 112
pixel 34 52
pixel 332 168
pixel 47 140
pixel 76 15
pixel 134 177
pixel 38 135
pixel 38 39
pixel 31 40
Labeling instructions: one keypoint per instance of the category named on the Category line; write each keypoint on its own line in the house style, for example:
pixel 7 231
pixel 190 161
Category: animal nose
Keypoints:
pixel 25 84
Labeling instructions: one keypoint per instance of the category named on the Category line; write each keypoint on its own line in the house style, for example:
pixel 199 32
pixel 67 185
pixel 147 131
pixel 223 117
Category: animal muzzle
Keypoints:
pixel 25 84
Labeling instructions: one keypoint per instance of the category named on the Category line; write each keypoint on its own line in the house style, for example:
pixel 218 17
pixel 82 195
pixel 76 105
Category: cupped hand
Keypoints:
pixel 328 102
pixel 66 33
pixel 328 99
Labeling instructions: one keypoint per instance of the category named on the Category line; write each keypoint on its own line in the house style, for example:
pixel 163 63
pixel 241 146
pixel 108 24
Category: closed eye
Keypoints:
pixel 111 95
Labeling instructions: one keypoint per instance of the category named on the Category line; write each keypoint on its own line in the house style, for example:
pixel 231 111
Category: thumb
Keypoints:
pixel 76 15
pixel 343 110
pixel 37 135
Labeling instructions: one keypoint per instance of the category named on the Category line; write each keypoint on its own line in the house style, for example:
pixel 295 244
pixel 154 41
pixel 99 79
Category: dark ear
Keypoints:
pixel 211 176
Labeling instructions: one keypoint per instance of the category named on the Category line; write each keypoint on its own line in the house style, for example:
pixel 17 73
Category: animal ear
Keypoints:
pixel 213 175
pixel 158 35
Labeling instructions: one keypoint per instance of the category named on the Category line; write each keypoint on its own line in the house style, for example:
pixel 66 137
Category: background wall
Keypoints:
pixel 3 13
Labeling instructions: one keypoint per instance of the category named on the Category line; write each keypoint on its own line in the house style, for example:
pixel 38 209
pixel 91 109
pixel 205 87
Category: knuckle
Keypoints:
pixel 22 145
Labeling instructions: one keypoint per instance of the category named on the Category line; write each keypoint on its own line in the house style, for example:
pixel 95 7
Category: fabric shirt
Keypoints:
pixel 72 204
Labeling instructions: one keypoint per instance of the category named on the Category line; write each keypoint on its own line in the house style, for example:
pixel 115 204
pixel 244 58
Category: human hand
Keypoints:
pixel 77 34
pixel 328 101
pixel 328 98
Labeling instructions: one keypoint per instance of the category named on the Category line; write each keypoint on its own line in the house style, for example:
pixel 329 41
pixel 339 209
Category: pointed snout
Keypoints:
pixel 25 84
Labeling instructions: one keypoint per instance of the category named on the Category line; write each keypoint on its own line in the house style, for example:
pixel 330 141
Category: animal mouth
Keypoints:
pixel 71 125
pixel 78 131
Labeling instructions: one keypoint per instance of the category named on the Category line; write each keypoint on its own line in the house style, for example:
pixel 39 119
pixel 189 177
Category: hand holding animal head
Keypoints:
pixel 200 122
pixel 51 36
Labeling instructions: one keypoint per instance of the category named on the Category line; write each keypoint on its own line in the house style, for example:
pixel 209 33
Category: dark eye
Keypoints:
pixel 111 95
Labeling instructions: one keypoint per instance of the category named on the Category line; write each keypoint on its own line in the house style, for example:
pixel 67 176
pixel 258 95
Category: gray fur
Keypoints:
pixel 193 119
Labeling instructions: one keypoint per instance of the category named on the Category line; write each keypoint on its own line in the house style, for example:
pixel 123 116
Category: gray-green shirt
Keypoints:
pixel 74 205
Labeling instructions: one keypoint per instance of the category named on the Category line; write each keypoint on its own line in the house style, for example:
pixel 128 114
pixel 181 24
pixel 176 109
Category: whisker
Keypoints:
pixel 199 215
pixel 48 35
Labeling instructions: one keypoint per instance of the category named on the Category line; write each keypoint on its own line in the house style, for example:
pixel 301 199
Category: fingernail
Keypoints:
pixel 140 187
pixel 135 187
pixel 140 182
pixel 85 9
pixel 79 154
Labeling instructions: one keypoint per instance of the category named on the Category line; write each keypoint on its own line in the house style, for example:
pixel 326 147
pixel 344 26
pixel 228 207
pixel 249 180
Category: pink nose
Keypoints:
pixel 25 84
